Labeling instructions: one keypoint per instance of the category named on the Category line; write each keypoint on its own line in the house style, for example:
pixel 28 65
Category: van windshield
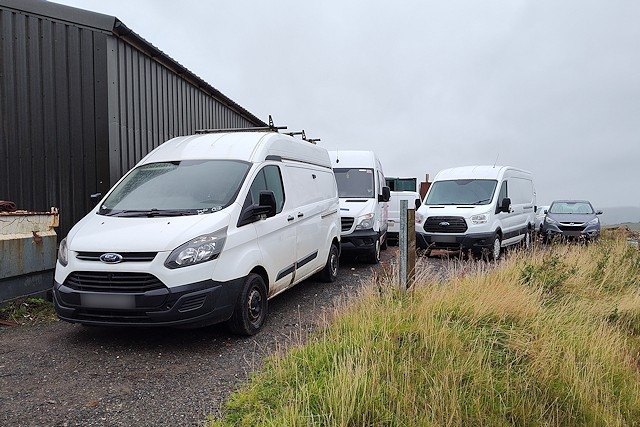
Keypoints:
pixel 355 182
pixel 462 192
pixel 187 187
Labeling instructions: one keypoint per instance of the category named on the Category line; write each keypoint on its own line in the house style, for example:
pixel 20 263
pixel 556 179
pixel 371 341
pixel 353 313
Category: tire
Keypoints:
pixel 329 273
pixel 374 255
pixel 526 242
pixel 250 311
pixel 496 248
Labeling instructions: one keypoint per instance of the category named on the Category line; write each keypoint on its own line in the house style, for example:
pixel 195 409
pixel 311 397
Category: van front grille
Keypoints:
pixel 98 281
pixel 347 223
pixel 445 224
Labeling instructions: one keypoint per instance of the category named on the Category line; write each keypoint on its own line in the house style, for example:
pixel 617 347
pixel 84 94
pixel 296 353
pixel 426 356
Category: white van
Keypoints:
pixel 363 202
pixel 203 230
pixel 481 209
pixel 393 221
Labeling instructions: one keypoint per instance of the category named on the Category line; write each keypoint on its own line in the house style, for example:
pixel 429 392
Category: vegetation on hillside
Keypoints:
pixel 549 337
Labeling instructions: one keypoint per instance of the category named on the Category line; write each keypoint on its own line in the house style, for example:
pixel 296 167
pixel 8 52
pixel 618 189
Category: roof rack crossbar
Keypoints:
pixel 270 128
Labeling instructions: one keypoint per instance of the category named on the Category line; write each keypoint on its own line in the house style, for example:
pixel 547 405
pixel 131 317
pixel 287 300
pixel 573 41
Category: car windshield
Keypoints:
pixel 188 187
pixel 355 182
pixel 461 192
pixel 571 208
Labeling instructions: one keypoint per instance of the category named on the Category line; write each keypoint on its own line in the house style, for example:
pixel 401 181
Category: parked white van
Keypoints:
pixel 363 202
pixel 481 209
pixel 204 229
pixel 393 221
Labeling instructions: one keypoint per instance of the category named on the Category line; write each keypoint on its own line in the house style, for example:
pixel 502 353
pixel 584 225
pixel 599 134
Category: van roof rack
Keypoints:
pixel 270 128
pixel 304 136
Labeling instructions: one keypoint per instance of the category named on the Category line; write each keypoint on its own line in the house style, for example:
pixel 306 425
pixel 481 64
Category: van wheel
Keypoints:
pixel 526 242
pixel 495 251
pixel 330 271
pixel 374 255
pixel 251 307
pixel 384 243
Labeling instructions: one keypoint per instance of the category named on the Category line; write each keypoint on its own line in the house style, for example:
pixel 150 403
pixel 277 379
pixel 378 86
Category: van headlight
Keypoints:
pixel 201 249
pixel 365 222
pixel 479 219
pixel 63 253
pixel 419 218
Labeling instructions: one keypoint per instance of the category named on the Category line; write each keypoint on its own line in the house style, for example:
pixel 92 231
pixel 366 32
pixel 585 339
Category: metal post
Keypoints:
pixel 407 243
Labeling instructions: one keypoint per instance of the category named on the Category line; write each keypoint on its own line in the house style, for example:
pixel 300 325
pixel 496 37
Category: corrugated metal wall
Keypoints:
pixel 149 104
pixel 80 105
pixel 52 122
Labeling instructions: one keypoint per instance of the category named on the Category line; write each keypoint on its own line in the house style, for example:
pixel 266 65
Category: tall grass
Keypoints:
pixel 545 338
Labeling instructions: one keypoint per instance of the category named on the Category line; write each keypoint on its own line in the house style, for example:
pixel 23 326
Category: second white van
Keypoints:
pixel 363 202
pixel 204 229
pixel 481 209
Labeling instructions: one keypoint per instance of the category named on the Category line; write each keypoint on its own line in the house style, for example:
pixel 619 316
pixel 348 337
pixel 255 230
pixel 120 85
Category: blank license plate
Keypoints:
pixel 107 301
pixel 443 239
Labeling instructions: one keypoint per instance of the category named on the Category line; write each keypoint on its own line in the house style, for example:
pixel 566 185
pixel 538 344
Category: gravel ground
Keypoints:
pixel 61 374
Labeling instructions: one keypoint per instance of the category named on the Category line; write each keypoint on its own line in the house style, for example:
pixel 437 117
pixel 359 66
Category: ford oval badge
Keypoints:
pixel 111 258
pixel 444 224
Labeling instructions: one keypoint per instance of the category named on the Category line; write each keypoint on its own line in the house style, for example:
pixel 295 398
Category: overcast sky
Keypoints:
pixel 551 86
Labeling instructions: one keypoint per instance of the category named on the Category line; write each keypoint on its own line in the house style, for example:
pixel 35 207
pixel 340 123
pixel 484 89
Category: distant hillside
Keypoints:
pixel 619 215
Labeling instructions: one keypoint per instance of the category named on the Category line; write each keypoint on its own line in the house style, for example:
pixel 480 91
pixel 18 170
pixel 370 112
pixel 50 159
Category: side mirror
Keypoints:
pixel 95 198
pixel 599 213
pixel 506 203
pixel 385 196
pixel 418 204
pixel 266 207
pixel 266 204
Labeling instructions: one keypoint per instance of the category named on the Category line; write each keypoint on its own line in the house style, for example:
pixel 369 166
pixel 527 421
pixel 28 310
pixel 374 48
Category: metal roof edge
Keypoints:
pixel 113 25
pixel 62 13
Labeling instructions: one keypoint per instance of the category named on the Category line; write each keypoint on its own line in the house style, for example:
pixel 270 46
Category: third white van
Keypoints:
pixel 481 209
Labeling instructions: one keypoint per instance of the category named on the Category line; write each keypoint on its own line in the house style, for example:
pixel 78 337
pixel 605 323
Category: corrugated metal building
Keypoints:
pixel 82 99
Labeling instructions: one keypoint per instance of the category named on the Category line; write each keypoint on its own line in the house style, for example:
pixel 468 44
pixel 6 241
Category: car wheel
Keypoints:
pixel 384 243
pixel 251 307
pixel 330 271
pixel 374 255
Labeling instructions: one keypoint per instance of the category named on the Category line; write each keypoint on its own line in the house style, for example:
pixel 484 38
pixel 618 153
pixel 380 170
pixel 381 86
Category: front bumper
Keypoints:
pixel 195 304
pixel 359 241
pixel 475 242
pixel 553 231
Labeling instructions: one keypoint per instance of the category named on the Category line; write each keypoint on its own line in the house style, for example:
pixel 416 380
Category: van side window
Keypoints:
pixel 268 179
pixel 503 192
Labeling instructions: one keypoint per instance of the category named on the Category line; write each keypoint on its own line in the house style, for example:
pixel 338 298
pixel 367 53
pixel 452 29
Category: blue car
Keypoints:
pixel 571 220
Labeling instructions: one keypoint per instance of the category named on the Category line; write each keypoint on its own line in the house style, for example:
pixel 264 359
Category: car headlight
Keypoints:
pixel 201 249
pixel 419 218
pixel 548 220
pixel 594 221
pixel 480 218
pixel 63 253
pixel 364 222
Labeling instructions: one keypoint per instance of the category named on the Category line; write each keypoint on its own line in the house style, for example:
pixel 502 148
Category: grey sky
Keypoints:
pixel 546 85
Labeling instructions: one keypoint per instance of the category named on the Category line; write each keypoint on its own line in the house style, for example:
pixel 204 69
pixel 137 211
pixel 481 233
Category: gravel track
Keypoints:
pixel 61 374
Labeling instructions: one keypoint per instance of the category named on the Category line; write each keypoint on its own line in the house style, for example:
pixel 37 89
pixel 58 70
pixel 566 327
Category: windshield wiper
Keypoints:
pixel 152 212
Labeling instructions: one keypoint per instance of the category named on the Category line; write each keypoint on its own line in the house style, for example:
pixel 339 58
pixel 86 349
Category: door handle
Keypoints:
pixel 300 214
pixel 290 218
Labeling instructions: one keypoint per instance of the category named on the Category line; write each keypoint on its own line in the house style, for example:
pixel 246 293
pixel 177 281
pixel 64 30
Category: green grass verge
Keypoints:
pixel 28 311
pixel 546 338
